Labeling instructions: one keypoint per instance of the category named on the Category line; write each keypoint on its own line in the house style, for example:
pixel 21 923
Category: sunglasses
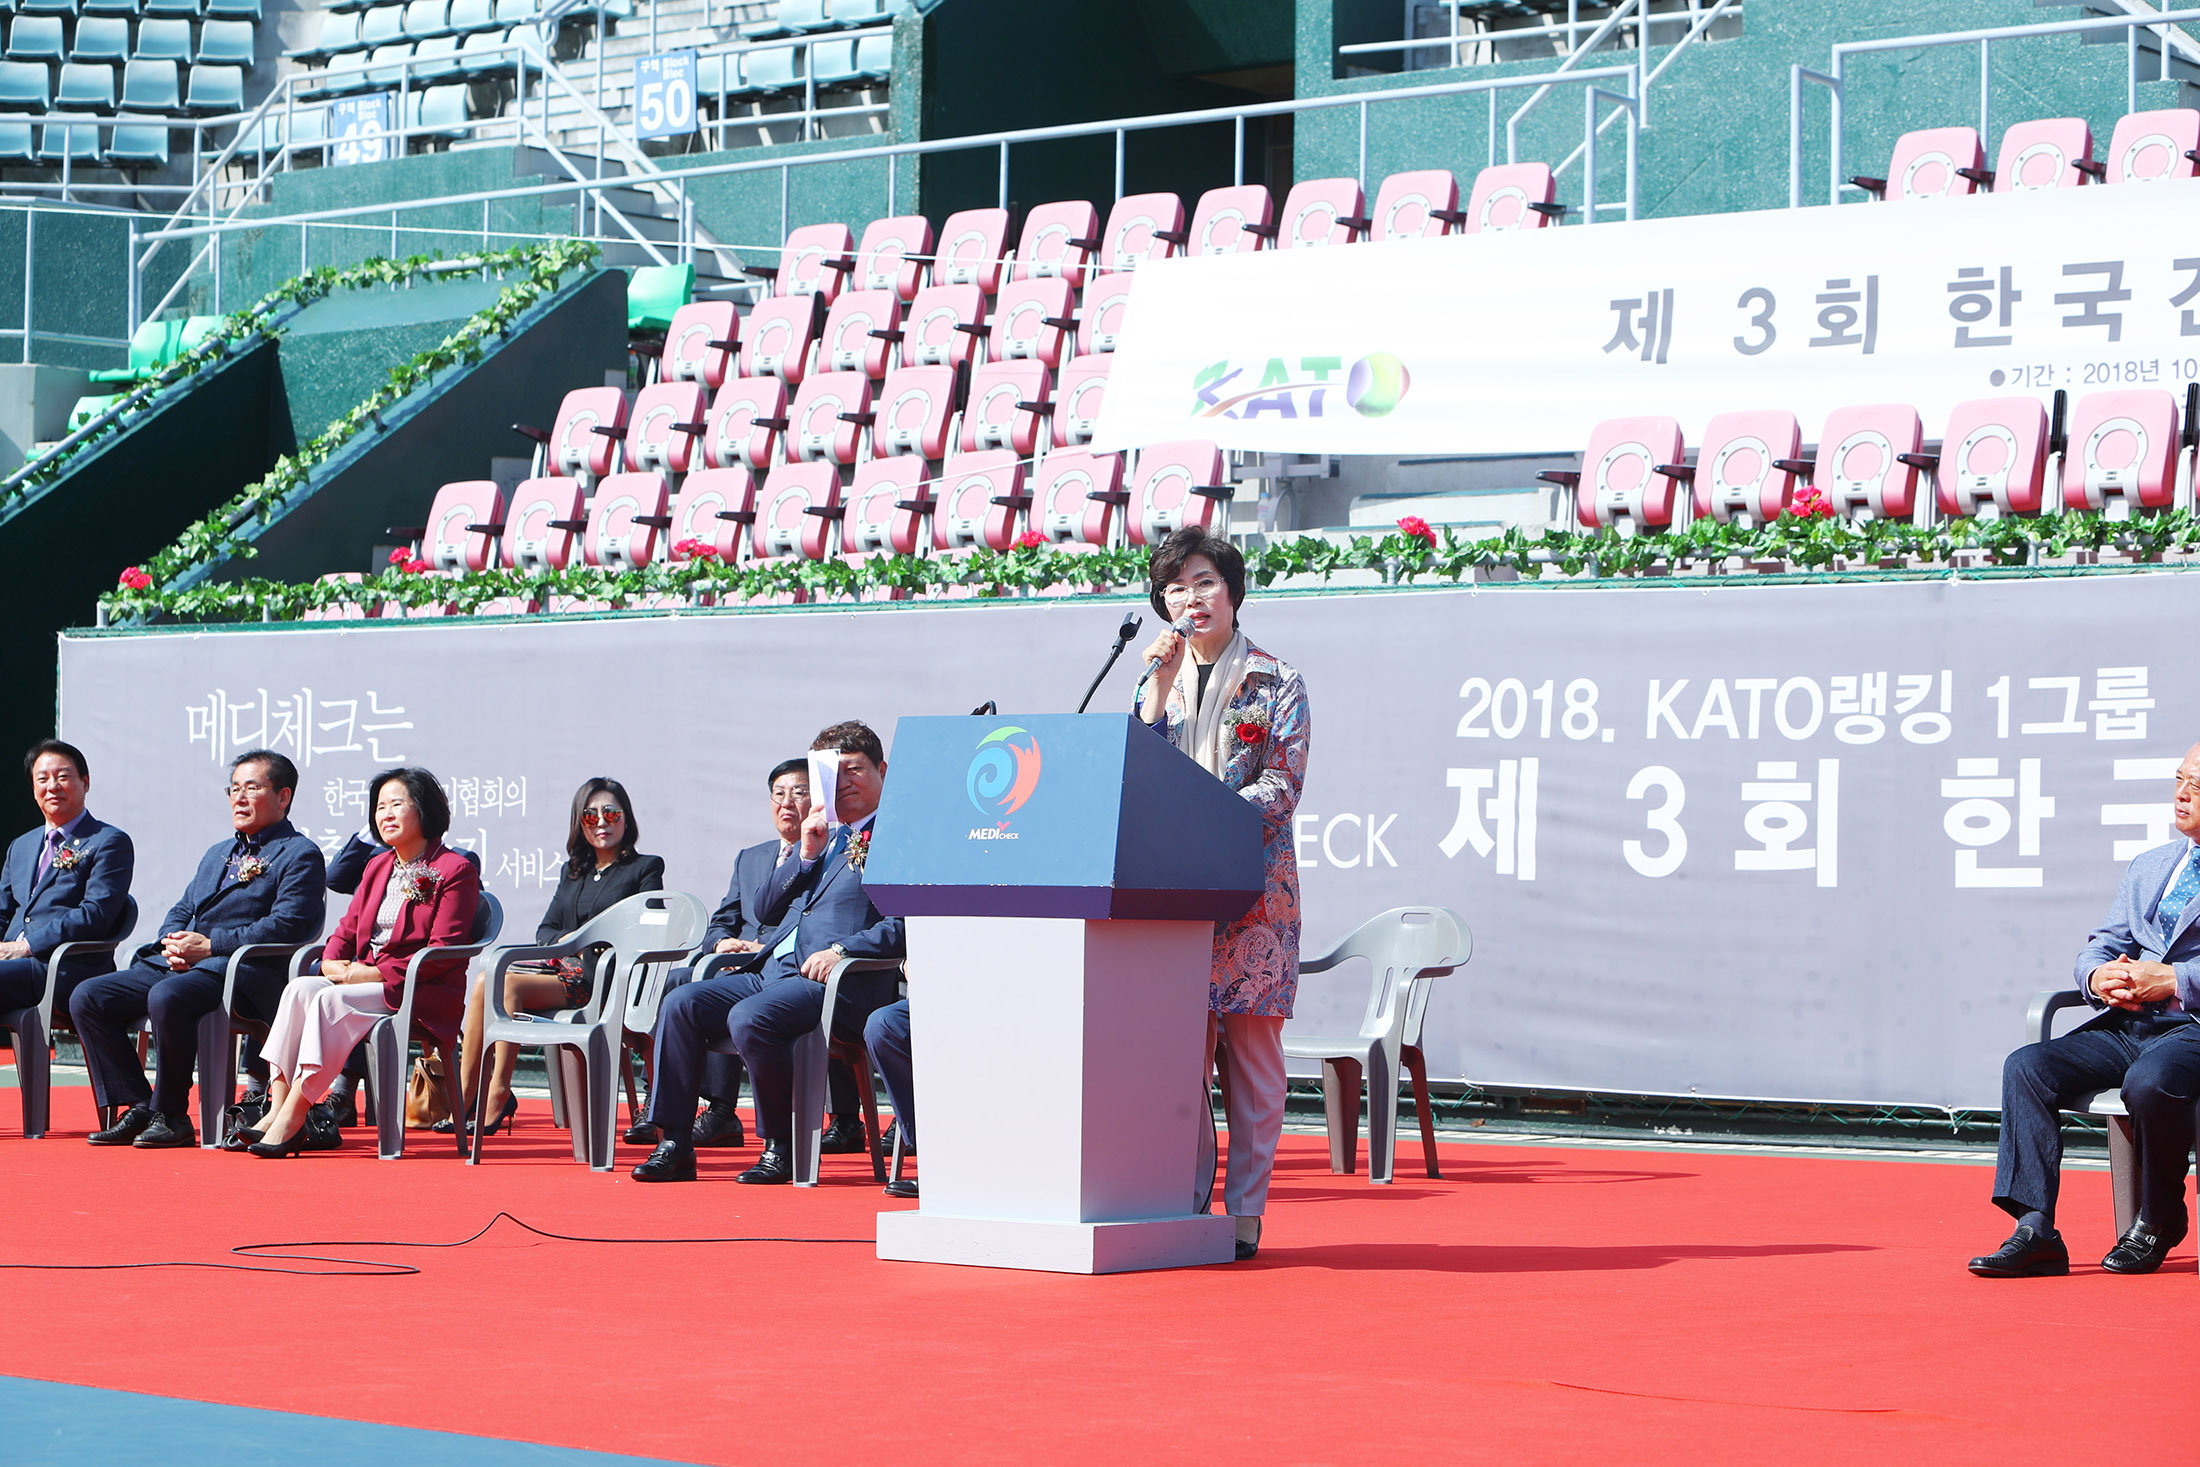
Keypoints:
pixel 606 815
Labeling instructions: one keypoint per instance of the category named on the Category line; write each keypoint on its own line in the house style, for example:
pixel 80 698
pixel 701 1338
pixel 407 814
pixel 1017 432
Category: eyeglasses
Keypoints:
pixel 791 797
pixel 252 788
pixel 602 815
pixel 1206 588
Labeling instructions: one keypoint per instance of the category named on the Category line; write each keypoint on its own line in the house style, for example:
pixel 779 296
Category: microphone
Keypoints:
pixel 1182 626
pixel 1123 634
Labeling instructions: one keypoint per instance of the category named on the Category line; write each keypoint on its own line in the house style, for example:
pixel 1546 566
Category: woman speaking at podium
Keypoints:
pixel 1241 714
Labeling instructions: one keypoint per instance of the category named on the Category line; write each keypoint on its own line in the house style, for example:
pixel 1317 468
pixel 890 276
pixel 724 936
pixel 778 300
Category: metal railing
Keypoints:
pixel 1487 40
pixel 1835 79
pixel 674 184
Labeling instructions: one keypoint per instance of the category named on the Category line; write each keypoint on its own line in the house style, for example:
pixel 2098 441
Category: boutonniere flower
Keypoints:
pixel 417 884
pixel 65 858
pixel 250 869
pixel 1252 725
pixel 859 849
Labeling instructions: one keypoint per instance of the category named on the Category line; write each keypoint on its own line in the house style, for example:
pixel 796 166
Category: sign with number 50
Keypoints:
pixel 664 95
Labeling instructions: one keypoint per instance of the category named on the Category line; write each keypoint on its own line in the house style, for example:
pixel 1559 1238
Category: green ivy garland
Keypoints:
pixel 531 272
pixel 1401 557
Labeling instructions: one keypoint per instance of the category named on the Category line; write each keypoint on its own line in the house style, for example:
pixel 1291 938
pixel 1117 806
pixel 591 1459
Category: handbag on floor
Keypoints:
pixel 426 1099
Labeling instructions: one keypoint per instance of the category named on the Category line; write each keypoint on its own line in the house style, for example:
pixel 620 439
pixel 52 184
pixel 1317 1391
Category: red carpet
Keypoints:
pixel 1537 1305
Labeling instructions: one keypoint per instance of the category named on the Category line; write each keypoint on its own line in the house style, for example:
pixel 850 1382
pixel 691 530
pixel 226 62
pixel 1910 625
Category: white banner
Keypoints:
pixel 1521 343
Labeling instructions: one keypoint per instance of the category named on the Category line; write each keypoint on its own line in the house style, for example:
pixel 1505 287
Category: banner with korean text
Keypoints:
pixel 1817 842
pixel 1520 343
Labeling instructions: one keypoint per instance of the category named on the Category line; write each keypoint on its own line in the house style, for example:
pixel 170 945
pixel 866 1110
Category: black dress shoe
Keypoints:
pixel 2026 1255
pixel 670 1162
pixel 641 1133
pixel 719 1125
pixel 1246 1250
pixel 2141 1250
pixel 126 1128
pixel 843 1137
pixel 886 1141
pixel 772 1169
pixel 166 1132
pixel 902 1187
pixel 344 1106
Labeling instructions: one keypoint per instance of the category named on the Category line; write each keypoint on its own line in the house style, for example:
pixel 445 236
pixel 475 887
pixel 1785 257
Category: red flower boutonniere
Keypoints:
pixel 859 849
pixel 1252 726
pixel 417 884
pixel 250 869
pixel 65 858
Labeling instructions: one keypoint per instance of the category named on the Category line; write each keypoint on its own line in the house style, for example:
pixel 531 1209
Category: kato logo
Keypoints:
pixel 1003 774
pixel 1373 387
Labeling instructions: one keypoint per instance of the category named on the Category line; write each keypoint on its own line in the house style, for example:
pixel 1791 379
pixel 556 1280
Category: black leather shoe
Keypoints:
pixel 344 1106
pixel 2141 1250
pixel 670 1162
pixel 843 1137
pixel 772 1169
pixel 2026 1255
pixel 905 1187
pixel 1246 1250
pixel 886 1141
pixel 167 1132
pixel 125 1130
pixel 641 1133
pixel 719 1125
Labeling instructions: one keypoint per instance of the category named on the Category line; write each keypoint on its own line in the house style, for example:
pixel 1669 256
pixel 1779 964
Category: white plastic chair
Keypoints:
pixel 1405 947
pixel 33 1027
pixel 390 1040
pixel 219 1029
pixel 648 927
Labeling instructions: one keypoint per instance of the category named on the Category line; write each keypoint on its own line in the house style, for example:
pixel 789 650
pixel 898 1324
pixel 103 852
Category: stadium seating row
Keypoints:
pixel 2122 453
pixel 2054 152
pixel 130 9
pixel 147 86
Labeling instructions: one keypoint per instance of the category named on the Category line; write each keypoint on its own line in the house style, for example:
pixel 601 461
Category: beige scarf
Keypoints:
pixel 1202 735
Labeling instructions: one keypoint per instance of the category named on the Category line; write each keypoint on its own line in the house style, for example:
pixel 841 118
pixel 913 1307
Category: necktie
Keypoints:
pixel 2181 891
pixel 45 856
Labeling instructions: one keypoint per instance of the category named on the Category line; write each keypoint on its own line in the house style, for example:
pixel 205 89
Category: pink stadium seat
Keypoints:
pixel 625 520
pixel 747 418
pixel 715 506
pixel 1323 211
pixel 970 249
pixel 1738 474
pixel 830 415
pixel 942 326
pixel 895 255
pixel 584 442
pixel 2053 152
pixel 1080 387
pixel 539 526
pixel 1058 240
pixel 777 338
pixel 463 525
pixel 508 606
pixel 1618 485
pixel 1100 323
pixel 2151 146
pixel 1512 196
pixel 1993 457
pixel 661 428
pixel 981 498
pixel 1178 484
pixel 1936 163
pixel 784 522
pixel 815 260
pixel 1232 221
pixel 2121 452
pixel 1868 460
pixel 348 611
pixel 1141 227
pixel 701 342
pixel 1007 400
pixel 1074 496
pixel 905 486
pixel 1417 205
pixel 1033 318
pixel 861 332
pixel 915 407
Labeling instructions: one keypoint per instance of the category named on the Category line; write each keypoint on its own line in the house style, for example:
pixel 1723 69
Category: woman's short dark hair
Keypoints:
pixel 1182 545
pixel 851 737
pixel 580 856
pixel 427 797
pixel 69 752
pixel 784 768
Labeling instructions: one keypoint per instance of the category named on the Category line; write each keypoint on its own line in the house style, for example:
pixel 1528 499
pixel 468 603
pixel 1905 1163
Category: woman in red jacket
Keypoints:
pixel 416 894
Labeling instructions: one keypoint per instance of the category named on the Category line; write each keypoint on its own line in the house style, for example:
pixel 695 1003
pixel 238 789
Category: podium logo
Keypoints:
pixel 1003 773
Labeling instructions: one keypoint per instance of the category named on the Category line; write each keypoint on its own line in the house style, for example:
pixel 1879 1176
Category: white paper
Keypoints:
pixel 825 784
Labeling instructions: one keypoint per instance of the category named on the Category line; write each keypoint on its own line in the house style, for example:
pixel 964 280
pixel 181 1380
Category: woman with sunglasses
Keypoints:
pixel 602 869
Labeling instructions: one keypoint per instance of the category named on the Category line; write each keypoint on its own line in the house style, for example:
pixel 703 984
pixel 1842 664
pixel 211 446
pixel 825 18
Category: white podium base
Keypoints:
pixel 1057 1247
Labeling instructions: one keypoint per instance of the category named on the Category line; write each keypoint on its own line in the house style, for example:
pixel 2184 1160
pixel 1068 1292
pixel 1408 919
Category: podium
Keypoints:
pixel 1060 876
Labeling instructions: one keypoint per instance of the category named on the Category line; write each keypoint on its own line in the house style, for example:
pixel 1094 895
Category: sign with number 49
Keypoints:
pixel 664 95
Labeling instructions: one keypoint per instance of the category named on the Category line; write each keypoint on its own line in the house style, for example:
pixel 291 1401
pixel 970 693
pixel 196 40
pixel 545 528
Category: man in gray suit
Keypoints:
pixel 2141 969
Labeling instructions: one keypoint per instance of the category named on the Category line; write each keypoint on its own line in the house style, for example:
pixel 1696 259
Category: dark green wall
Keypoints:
pixel 77 283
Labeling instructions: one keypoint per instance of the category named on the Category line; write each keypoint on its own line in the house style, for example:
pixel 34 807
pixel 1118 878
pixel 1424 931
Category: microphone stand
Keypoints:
pixel 1123 634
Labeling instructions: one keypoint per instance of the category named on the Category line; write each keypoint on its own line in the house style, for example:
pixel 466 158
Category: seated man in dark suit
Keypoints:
pixel 263 884
pixel 815 902
pixel 886 1036
pixel 2142 970
pixel 66 881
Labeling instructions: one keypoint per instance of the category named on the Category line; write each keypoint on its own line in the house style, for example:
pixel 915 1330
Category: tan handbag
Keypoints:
pixel 426 1100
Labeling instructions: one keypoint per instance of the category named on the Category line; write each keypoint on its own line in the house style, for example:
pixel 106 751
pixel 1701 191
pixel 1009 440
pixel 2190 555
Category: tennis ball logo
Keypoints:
pixel 1377 384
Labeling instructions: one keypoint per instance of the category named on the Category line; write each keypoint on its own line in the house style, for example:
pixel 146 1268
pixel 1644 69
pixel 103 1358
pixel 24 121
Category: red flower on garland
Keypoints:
pixel 1811 503
pixel 133 579
pixel 694 549
pixel 417 567
pixel 400 555
pixel 1030 540
pixel 1417 528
